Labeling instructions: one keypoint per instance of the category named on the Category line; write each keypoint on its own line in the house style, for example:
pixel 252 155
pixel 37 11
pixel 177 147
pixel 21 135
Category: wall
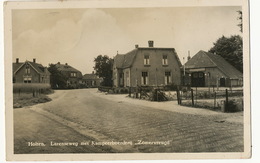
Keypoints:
pixel 156 70
pixel 21 72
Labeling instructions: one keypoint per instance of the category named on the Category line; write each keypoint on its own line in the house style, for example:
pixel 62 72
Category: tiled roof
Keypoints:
pixel 38 67
pixel 125 60
pixel 205 59
pixel 64 67
pixel 90 76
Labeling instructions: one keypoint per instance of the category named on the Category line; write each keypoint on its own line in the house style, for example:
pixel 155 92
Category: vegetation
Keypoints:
pixel 57 79
pixel 30 87
pixel 240 17
pixel 103 68
pixel 231 49
pixel 27 94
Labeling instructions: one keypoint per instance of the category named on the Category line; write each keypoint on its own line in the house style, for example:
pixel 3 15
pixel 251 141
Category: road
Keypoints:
pixel 90 118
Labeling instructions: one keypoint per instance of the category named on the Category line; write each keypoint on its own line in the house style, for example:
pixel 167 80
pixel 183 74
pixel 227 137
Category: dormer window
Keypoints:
pixel 165 60
pixel 73 74
pixel 146 60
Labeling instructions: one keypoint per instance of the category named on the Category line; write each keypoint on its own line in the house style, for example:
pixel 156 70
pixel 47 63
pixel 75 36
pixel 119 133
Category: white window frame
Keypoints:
pixel 165 60
pixel 145 79
pixel 146 60
pixel 167 78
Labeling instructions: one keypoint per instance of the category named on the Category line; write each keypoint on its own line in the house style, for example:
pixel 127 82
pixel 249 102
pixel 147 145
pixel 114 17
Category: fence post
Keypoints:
pixel 226 106
pixel 192 97
pixel 180 97
pixel 215 96
pixel 177 93
pixel 129 91
pixel 196 95
pixel 140 91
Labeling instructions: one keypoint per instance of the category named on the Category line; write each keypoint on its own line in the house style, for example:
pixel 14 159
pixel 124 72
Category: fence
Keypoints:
pixel 226 100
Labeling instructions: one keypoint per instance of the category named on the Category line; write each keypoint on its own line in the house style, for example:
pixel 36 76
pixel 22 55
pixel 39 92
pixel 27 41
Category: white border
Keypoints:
pixel 117 4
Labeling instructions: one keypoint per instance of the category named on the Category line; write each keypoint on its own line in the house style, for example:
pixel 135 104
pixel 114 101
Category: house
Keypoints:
pixel 145 66
pixel 74 76
pixel 30 72
pixel 91 80
pixel 207 69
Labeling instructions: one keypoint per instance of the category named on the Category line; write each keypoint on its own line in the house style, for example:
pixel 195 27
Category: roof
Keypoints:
pixel 90 76
pixel 66 67
pixel 126 60
pixel 205 60
pixel 38 67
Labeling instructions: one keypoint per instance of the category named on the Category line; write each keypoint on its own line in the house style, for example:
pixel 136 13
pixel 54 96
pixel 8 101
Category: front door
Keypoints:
pixel 198 79
pixel 222 82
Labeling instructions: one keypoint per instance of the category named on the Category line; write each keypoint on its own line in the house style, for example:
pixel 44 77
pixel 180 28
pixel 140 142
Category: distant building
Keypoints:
pixel 30 72
pixel 207 69
pixel 91 80
pixel 147 66
pixel 74 76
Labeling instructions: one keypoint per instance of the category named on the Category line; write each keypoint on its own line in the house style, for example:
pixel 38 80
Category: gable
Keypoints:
pixel 200 60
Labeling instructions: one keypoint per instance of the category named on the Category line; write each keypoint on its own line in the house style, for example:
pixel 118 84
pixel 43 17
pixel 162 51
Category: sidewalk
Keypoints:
pixel 173 107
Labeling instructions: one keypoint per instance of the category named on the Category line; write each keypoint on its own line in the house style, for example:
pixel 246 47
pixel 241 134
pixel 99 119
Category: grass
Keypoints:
pixel 30 87
pixel 28 94
pixel 27 99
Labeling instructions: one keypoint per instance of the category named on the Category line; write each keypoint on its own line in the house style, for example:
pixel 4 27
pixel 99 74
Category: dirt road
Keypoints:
pixel 93 122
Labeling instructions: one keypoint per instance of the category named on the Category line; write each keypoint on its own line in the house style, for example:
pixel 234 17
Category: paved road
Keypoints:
pixel 91 117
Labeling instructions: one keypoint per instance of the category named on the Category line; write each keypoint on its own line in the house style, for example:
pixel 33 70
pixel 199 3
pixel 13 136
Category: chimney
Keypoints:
pixel 34 60
pixel 136 46
pixel 17 60
pixel 188 55
pixel 150 43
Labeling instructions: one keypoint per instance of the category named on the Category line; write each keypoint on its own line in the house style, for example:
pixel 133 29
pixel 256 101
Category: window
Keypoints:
pixel 27 79
pixel 165 60
pixel 73 74
pixel 167 77
pixel 144 78
pixel 27 69
pixel 146 60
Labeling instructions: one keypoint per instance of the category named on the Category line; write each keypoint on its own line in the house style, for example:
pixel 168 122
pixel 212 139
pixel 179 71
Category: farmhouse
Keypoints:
pixel 30 72
pixel 144 66
pixel 207 69
pixel 74 76
pixel 91 80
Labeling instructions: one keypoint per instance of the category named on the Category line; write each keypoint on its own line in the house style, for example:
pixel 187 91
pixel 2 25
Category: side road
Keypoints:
pixel 173 107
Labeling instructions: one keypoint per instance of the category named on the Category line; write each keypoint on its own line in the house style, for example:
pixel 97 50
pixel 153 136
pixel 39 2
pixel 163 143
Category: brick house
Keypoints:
pixel 207 69
pixel 91 80
pixel 74 76
pixel 147 66
pixel 30 72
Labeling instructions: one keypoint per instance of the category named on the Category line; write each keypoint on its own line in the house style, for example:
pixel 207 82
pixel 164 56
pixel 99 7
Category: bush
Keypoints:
pixel 233 106
pixel 30 87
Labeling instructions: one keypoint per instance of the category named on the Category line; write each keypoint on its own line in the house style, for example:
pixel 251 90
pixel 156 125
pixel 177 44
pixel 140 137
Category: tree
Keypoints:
pixel 57 79
pixel 240 17
pixel 103 68
pixel 231 49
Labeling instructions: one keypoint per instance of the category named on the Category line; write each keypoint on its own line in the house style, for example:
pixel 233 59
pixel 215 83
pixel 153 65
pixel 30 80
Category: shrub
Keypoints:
pixel 30 87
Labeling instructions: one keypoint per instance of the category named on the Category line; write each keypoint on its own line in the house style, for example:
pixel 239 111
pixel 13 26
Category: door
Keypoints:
pixel 198 79
pixel 222 82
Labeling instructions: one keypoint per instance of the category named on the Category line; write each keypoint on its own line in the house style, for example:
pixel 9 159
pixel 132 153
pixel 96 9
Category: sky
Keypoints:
pixel 77 36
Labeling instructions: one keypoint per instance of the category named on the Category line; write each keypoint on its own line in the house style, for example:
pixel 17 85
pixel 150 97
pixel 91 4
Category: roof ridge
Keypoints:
pixel 214 62
pixel 209 57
